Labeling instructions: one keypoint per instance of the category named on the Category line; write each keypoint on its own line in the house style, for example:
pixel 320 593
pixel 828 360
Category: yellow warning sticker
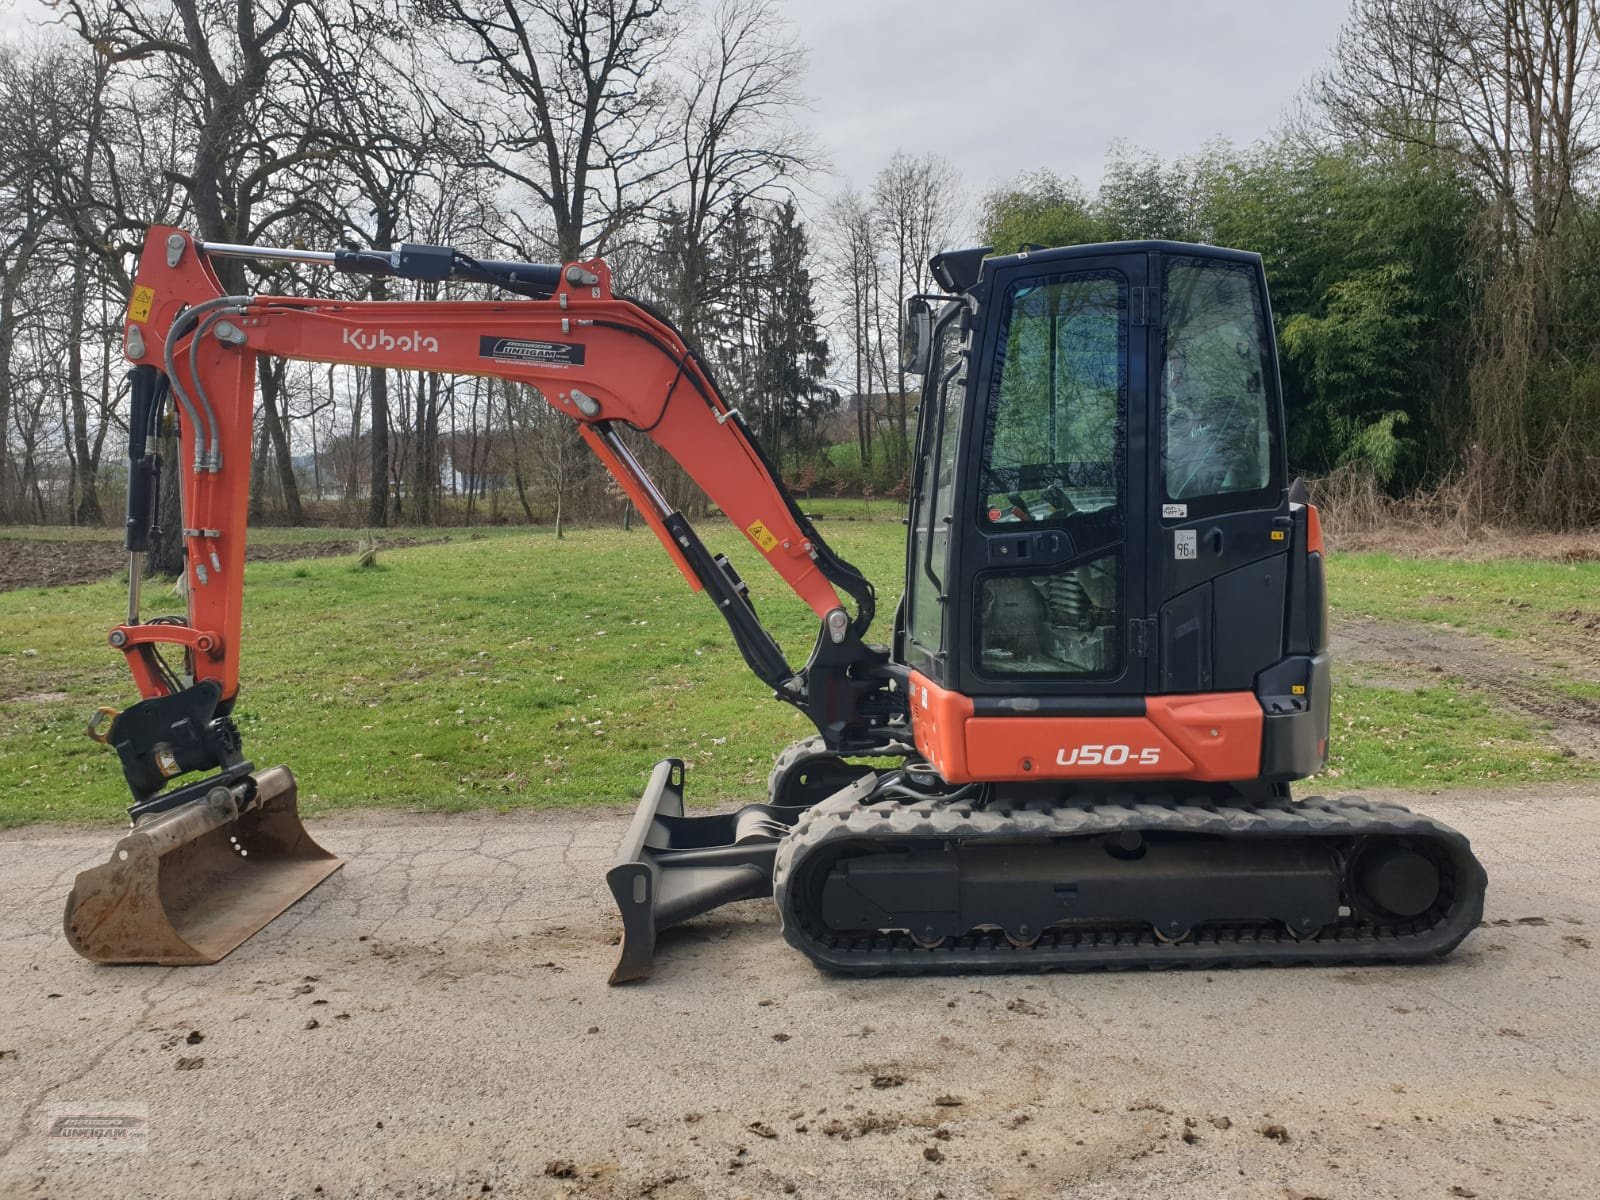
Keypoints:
pixel 1279 535
pixel 1297 689
pixel 763 537
pixel 139 306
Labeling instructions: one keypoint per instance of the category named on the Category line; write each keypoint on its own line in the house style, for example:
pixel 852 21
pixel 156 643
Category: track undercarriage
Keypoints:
pixel 894 874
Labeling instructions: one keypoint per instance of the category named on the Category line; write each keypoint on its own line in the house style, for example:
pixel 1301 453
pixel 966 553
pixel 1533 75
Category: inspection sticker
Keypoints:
pixel 1183 544
pixel 762 536
pixel 139 305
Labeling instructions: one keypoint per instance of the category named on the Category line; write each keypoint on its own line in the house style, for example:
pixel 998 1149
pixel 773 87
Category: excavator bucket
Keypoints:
pixel 188 885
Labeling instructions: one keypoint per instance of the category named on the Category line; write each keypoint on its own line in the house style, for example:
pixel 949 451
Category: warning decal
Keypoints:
pixel 763 537
pixel 139 305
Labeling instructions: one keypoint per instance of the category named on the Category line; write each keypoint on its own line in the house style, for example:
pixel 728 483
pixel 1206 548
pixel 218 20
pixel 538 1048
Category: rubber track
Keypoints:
pixel 846 821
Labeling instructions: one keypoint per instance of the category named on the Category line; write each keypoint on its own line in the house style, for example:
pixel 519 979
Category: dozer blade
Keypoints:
pixel 188 885
pixel 672 867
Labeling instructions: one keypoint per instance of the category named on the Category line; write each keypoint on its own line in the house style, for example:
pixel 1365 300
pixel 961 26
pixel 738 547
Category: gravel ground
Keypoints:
pixel 433 1021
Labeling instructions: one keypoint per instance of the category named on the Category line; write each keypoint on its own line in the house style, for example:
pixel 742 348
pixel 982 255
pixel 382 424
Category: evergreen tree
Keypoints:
pixel 793 352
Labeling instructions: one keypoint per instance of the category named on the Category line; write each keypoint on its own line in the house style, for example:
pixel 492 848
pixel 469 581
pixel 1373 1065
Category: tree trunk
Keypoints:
pixel 272 377
pixel 258 474
pixel 166 541
pixel 378 502
pixel 9 283
pixel 87 510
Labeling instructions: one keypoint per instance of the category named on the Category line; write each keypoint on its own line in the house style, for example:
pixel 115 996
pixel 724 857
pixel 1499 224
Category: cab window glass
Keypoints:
pixel 1065 623
pixel 936 493
pixel 1055 454
pixel 1217 438
pixel 1054 445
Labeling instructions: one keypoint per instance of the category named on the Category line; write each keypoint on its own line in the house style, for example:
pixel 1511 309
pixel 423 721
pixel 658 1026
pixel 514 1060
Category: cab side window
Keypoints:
pixel 1217 434
pixel 928 569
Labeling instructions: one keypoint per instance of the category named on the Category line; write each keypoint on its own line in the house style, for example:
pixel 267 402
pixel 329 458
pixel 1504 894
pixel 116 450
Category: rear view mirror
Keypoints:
pixel 916 338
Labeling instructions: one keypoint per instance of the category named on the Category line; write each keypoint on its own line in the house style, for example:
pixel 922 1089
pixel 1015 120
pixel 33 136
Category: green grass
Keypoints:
pixel 514 670
pixel 268 535
pixel 1414 731
pixel 1509 598
pixel 1581 689
pixel 518 670
pixel 825 510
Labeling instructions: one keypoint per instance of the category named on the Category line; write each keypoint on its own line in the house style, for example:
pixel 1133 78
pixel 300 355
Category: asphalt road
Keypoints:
pixel 434 1021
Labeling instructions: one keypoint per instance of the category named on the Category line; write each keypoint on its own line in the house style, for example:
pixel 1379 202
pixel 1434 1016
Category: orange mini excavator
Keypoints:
pixel 1109 663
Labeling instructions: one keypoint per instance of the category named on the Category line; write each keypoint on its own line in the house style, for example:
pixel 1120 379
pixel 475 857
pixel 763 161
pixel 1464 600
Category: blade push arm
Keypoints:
pixel 603 360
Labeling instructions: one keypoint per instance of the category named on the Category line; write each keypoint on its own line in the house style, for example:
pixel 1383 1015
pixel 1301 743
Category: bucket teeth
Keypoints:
pixel 187 886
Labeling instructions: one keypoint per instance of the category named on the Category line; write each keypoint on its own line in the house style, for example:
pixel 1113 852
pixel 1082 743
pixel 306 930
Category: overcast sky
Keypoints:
pixel 1004 86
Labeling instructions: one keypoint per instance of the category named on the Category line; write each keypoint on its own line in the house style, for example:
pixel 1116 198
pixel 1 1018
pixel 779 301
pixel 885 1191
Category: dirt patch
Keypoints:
pixel 1510 677
pixel 1481 545
pixel 40 562
pixel 30 562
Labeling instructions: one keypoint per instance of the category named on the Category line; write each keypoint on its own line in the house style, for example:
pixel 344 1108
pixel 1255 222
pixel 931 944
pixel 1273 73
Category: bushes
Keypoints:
pixel 838 471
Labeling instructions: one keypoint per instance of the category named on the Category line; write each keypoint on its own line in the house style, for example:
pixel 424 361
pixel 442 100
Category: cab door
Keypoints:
pixel 941 423
pixel 1052 519
pixel 1219 573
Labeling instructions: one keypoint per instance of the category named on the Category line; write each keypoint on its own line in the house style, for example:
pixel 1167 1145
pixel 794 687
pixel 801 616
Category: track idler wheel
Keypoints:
pixel 1396 881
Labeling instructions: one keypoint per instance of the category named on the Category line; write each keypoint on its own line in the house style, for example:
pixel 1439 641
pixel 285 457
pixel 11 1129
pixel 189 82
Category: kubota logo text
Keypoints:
pixel 384 340
pixel 1094 755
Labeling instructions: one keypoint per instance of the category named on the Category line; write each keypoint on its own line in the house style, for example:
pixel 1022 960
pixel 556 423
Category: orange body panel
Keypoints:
pixel 593 356
pixel 1214 736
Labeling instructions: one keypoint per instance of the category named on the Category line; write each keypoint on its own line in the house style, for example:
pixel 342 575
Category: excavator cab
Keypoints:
pixel 1101 512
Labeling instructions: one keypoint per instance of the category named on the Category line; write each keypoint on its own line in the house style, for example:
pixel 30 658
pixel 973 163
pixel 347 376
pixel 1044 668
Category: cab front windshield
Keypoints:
pixel 1055 443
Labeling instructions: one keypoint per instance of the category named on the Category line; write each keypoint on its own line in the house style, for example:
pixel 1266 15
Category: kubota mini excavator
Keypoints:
pixel 1109 663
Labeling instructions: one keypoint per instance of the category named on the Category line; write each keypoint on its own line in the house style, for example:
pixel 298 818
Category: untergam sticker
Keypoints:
pixel 550 354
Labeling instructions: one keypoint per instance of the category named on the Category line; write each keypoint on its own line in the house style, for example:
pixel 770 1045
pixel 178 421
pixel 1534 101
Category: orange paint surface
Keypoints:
pixel 1209 736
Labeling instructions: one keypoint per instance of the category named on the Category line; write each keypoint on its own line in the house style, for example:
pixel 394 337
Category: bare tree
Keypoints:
pixel 916 202
pixel 255 79
pixel 579 111
pixel 1505 90
pixel 737 143
pixel 854 262
pixel 391 136
pixel 1506 87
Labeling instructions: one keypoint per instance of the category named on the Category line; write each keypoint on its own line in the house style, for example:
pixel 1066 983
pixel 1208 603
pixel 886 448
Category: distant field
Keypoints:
pixel 515 669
